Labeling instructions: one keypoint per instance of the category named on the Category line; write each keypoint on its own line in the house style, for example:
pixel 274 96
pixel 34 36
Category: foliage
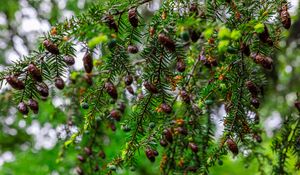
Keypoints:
pixel 152 84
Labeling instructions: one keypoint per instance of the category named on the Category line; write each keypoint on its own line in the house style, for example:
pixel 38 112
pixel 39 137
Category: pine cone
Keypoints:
pixel 150 87
pixel 133 17
pixel 180 66
pixel 43 89
pixel 163 143
pixel 81 158
pixel 257 138
pixel 166 108
pixel 14 82
pixel 132 49
pixel 128 80
pixel 111 90
pixel 115 115
pixel 59 83
pixel 150 155
pixel 297 105
pixel 252 88
pixel 130 90
pixel 113 127
pixel 51 47
pixel 88 151
pixel 121 107
pixel 33 105
pixel 232 146
pixel 22 107
pixel 88 79
pixel 194 9
pixel 35 72
pixel 168 135
pixel 79 171
pixel 182 130
pixel 185 96
pixel 265 62
pixel 88 62
pixel 167 42
pixel 194 34
pixel 110 21
pixel 255 102
pixel 245 49
pixel 285 17
pixel 69 60
pixel 102 154
pixel 265 36
pixel 193 147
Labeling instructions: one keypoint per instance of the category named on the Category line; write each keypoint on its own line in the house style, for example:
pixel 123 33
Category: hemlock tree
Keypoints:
pixel 159 71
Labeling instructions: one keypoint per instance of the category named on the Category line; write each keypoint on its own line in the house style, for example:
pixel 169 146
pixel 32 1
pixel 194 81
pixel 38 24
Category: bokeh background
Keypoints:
pixel 31 145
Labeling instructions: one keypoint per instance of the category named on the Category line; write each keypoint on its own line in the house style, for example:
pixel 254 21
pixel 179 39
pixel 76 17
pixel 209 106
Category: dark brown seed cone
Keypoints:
pixel 167 42
pixel 265 62
pixel 212 61
pixel 22 107
pixel 133 17
pixel 163 143
pixel 155 153
pixel 166 108
pixel 257 138
pixel 96 168
pixel 207 64
pixel 194 35
pixel 59 83
pixel 110 21
pixel 88 79
pixel 130 90
pixel 180 66
pixel 88 62
pixel 111 90
pixel 35 72
pixel 245 49
pixel 168 135
pixel 256 119
pixel 102 154
pixel 88 151
pixel 115 115
pixel 150 87
pixel 297 105
pixel 81 158
pixel 265 36
pixel 150 155
pixel 33 105
pixel 79 171
pixel 14 82
pixel 69 60
pixel 43 89
pixel 185 96
pixel 122 107
pixel 232 146
pixel 152 31
pixel 285 17
pixel 193 147
pixel 194 9
pixel 132 49
pixel 182 130
pixel 51 47
pixel 128 80
pixel 252 88
pixel 255 102
pixel 113 127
